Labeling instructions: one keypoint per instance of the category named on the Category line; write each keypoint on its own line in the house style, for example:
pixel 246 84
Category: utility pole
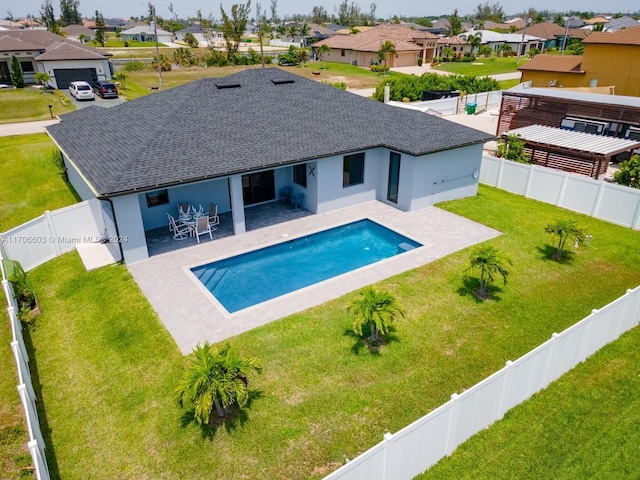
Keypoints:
pixel 152 9
pixel 566 34
pixel 524 33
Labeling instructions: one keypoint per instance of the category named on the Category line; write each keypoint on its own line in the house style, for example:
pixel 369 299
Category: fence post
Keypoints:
pixel 52 232
pixel 386 438
pixel 529 180
pixel 22 361
pixel 499 176
pixel 37 454
pixel 587 336
pixel 31 413
pixel 545 378
pixel 599 195
pixel 563 187
pixel 506 388
pixel 453 425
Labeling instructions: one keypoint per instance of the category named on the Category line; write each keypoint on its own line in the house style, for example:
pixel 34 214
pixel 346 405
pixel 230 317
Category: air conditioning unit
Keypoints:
pixel 354 62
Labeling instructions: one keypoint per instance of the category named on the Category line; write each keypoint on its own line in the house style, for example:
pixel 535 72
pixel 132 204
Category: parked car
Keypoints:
pixel 105 89
pixel 81 91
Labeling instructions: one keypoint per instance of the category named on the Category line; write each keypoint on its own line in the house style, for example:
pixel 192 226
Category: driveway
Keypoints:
pixel 100 102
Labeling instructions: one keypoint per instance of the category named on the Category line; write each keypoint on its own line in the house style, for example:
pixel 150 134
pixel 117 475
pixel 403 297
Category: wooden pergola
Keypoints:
pixel 549 106
pixel 574 152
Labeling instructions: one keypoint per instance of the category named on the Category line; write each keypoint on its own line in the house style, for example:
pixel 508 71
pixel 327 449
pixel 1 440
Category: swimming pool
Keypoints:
pixel 255 277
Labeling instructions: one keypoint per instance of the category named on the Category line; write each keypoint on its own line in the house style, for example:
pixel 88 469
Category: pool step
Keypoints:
pixel 212 277
pixel 406 246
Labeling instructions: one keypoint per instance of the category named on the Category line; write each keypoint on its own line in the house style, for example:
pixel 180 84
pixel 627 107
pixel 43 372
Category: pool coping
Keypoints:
pixel 192 315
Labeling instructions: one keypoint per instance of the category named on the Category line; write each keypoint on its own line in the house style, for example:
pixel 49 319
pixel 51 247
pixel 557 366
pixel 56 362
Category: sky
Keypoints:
pixel 385 8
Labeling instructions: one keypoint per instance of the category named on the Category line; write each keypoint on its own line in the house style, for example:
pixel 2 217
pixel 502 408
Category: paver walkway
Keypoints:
pixel 192 315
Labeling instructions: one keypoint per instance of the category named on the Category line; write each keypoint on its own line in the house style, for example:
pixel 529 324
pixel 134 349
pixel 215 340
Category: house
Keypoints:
pixel 518 42
pixel 456 44
pixel 412 46
pixel 335 148
pixel 204 37
pixel 79 33
pixel 609 59
pixel 146 33
pixel 554 34
pixel 63 59
pixel 620 23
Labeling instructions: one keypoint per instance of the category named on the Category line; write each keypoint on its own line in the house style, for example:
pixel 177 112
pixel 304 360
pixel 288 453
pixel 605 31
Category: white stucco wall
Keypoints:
pixel 129 218
pixel 78 182
pixel 440 176
pixel 332 195
pixel 203 193
pixel 101 66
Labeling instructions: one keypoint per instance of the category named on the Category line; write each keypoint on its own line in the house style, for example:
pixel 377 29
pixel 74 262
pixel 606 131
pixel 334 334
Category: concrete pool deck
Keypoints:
pixel 192 315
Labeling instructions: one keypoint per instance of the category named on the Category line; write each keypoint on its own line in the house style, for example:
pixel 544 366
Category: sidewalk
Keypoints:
pixel 24 128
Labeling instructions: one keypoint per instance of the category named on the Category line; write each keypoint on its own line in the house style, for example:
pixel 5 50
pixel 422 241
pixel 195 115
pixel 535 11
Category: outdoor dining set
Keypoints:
pixel 193 221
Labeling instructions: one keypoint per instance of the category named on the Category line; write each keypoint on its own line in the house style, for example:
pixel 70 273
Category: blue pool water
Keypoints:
pixel 251 278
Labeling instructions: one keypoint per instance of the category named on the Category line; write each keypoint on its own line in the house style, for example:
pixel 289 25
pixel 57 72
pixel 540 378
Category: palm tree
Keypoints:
pixel 216 378
pixel 488 263
pixel 376 310
pixel 322 51
pixel 304 32
pixel 182 56
pixel 565 230
pixel 475 40
pixel 386 48
pixel 292 32
pixel 121 77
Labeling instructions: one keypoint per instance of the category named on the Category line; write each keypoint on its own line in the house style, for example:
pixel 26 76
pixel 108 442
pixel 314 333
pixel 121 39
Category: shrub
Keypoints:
pixel 379 68
pixel 134 66
pixel 629 172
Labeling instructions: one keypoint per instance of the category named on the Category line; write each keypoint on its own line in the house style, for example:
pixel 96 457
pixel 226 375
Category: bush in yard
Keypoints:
pixel 488 263
pixel 216 378
pixel 565 230
pixel 629 172
pixel 17 75
pixel 134 66
pixel 512 149
pixel 375 311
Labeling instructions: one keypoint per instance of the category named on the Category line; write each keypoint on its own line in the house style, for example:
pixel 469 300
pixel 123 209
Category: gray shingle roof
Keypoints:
pixel 198 131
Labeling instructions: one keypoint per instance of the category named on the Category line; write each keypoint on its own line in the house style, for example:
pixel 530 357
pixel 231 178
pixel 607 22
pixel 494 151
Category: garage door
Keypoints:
pixel 64 76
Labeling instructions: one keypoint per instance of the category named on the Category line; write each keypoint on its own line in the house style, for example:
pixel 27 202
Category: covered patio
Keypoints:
pixel 160 240
pixel 570 151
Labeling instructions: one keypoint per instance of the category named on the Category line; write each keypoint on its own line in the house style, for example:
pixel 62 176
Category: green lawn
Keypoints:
pixel 586 426
pixel 30 181
pixel 29 104
pixel 490 66
pixel 115 43
pixel 108 368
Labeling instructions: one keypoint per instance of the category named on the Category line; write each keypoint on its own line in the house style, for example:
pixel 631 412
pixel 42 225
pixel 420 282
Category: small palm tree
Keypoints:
pixel 475 40
pixel 488 263
pixel 183 57
pixel 304 32
pixel 386 48
pixel 216 378
pixel 121 77
pixel 376 310
pixel 565 230
pixel 292 32
pixel 323 50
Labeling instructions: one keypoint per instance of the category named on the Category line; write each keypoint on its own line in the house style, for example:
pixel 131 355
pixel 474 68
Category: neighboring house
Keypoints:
pixel 610 59
pixel 162 149
pixel 146 34
pixel 361 49
pixel 553 34
pixel 517 41
pixel 201 35
pixel 76 32
pixel 63 59
pixel 620 23
pixel 457 44
pixel 439 27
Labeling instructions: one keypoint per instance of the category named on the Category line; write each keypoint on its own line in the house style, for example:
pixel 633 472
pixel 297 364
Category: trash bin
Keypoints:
pixel 471 108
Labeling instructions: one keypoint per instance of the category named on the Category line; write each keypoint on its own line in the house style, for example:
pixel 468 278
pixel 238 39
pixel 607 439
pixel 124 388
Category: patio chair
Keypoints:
pixel 180 231
pixel 214 220
pixel 296 200
pixel 183 209
pixel 202 227
pixel 285 193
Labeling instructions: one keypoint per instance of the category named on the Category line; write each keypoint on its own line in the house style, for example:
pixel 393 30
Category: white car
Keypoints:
pixel 81 91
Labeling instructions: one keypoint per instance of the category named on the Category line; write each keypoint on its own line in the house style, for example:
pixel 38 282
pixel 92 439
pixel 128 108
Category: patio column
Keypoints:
pixel 237 205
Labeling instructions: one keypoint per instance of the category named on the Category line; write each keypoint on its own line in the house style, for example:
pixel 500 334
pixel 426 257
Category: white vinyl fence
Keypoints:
pixel 25 387
pixel 417 447
pixel 607 201
pixel 54 233
pixel 452 106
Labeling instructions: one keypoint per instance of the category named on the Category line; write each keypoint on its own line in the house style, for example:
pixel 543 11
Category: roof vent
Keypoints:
pixel 280 81
pixel 221 85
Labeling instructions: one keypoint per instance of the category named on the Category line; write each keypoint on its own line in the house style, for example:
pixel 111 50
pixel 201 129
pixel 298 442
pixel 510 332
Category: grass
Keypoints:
pixel 322 397
pixel 29 104
pixel 30 181
pixel 586 426
pixel 131 44
pixel 490 66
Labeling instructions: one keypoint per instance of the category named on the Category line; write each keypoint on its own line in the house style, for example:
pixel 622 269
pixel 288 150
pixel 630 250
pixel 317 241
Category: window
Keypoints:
pixel 300 174
pixel 159 197
pixel 394 177
pixel 342 52
pixel 27 67
pixel 353 170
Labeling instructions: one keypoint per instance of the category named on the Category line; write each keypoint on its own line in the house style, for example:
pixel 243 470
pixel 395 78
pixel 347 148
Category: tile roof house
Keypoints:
pixel 554 34
pixel 63 59
pixel 162 149
pixel 610 59
pixel 516 41
pixel 411 46
pixel 75 31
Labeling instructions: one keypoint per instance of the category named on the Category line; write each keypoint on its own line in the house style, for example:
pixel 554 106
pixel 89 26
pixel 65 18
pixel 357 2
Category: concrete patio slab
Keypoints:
pixel 95 255
pixel 192 315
